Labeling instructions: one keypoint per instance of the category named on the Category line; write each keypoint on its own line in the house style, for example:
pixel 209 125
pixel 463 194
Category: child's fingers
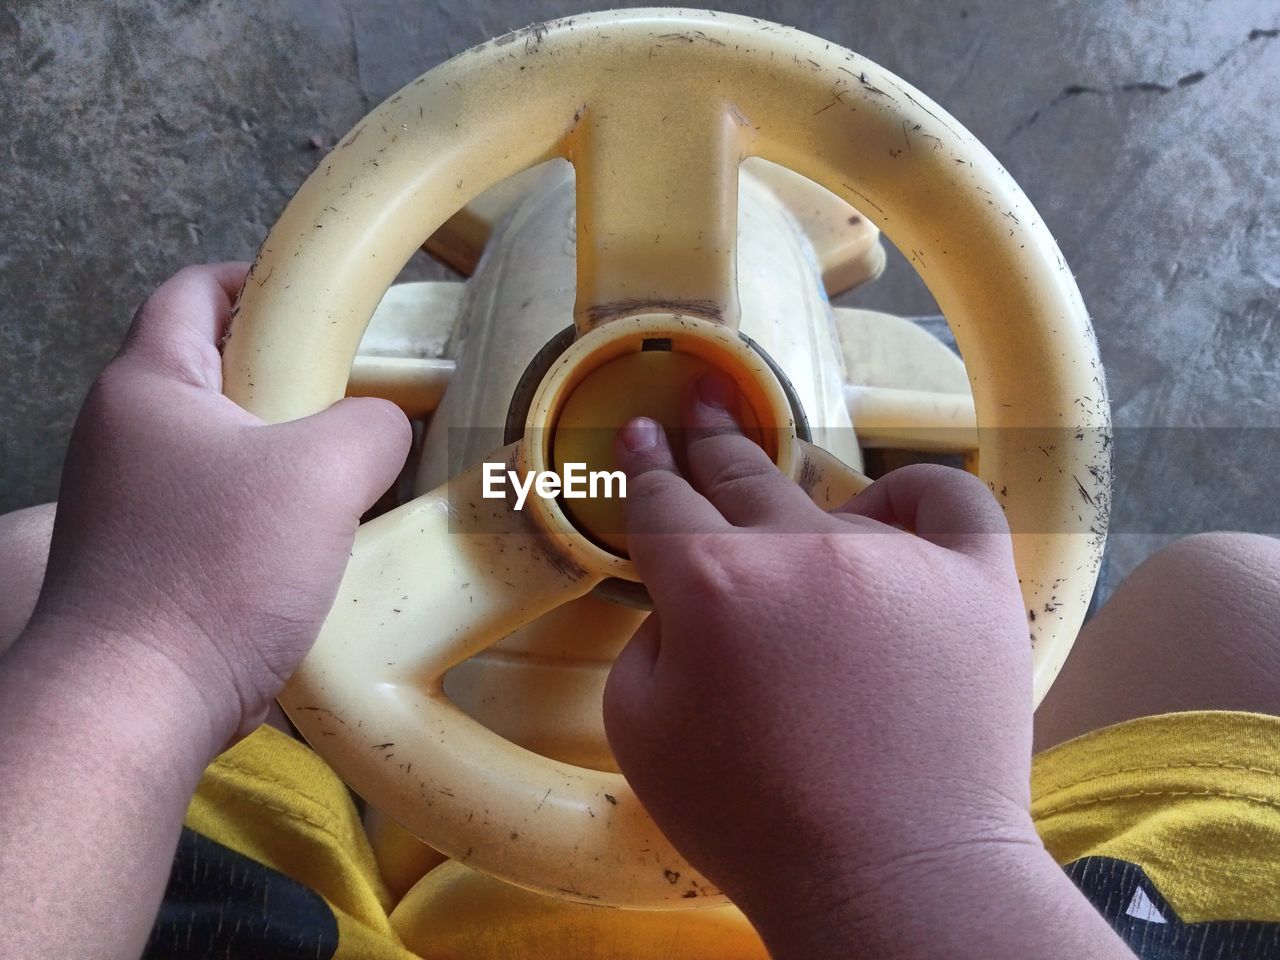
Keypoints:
pixel 659 500
pixel 178 328
pixel 230 275
pixel 729 469
pixel 661 508
pixel 940 504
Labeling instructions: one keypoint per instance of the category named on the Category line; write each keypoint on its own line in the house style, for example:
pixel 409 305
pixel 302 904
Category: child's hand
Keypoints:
pixel 191 535
pixel 825 710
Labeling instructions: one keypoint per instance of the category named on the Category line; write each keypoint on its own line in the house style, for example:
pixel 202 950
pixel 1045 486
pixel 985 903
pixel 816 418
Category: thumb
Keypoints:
pixel 943 505
pixel 628 693
pixel 354 449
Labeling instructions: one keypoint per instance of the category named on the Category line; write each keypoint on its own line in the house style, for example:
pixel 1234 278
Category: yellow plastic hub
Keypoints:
pixel 648 383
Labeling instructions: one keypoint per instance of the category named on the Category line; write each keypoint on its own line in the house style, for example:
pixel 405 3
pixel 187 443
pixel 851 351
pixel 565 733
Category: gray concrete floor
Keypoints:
pixel 147 134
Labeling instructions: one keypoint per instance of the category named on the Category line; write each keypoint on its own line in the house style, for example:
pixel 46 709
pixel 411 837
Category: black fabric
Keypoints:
pixel 220 903
pixel 1124 894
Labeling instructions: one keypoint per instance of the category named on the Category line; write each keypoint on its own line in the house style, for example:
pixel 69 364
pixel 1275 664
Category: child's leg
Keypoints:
pixel 1195 627
pixel 24 549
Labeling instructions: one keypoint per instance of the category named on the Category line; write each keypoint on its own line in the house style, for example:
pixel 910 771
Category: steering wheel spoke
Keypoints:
pixel 430 584
pixel 657 206
pixel 828 480
pixel 437 580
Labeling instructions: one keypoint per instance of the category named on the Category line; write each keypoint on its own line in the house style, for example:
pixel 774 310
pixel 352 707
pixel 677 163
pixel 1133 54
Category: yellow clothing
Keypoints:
pixel 1170 824
pixel 1192 798
pixel 273 799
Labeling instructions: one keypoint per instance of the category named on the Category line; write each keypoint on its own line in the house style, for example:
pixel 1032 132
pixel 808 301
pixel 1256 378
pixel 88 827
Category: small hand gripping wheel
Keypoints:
pixel 655 109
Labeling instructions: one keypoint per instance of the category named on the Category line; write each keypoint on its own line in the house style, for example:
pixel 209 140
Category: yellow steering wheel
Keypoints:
pixel 656 110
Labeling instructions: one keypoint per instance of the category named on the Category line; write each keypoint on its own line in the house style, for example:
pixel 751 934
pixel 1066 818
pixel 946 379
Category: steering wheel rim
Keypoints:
pixel 703 91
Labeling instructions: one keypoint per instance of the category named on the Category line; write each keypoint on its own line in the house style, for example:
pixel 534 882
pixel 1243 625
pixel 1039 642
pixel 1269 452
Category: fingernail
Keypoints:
pixel 716 390
pixel 639 434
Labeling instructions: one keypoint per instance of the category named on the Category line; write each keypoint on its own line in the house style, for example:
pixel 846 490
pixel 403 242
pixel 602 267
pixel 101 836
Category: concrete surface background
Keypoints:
pixel 147 134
